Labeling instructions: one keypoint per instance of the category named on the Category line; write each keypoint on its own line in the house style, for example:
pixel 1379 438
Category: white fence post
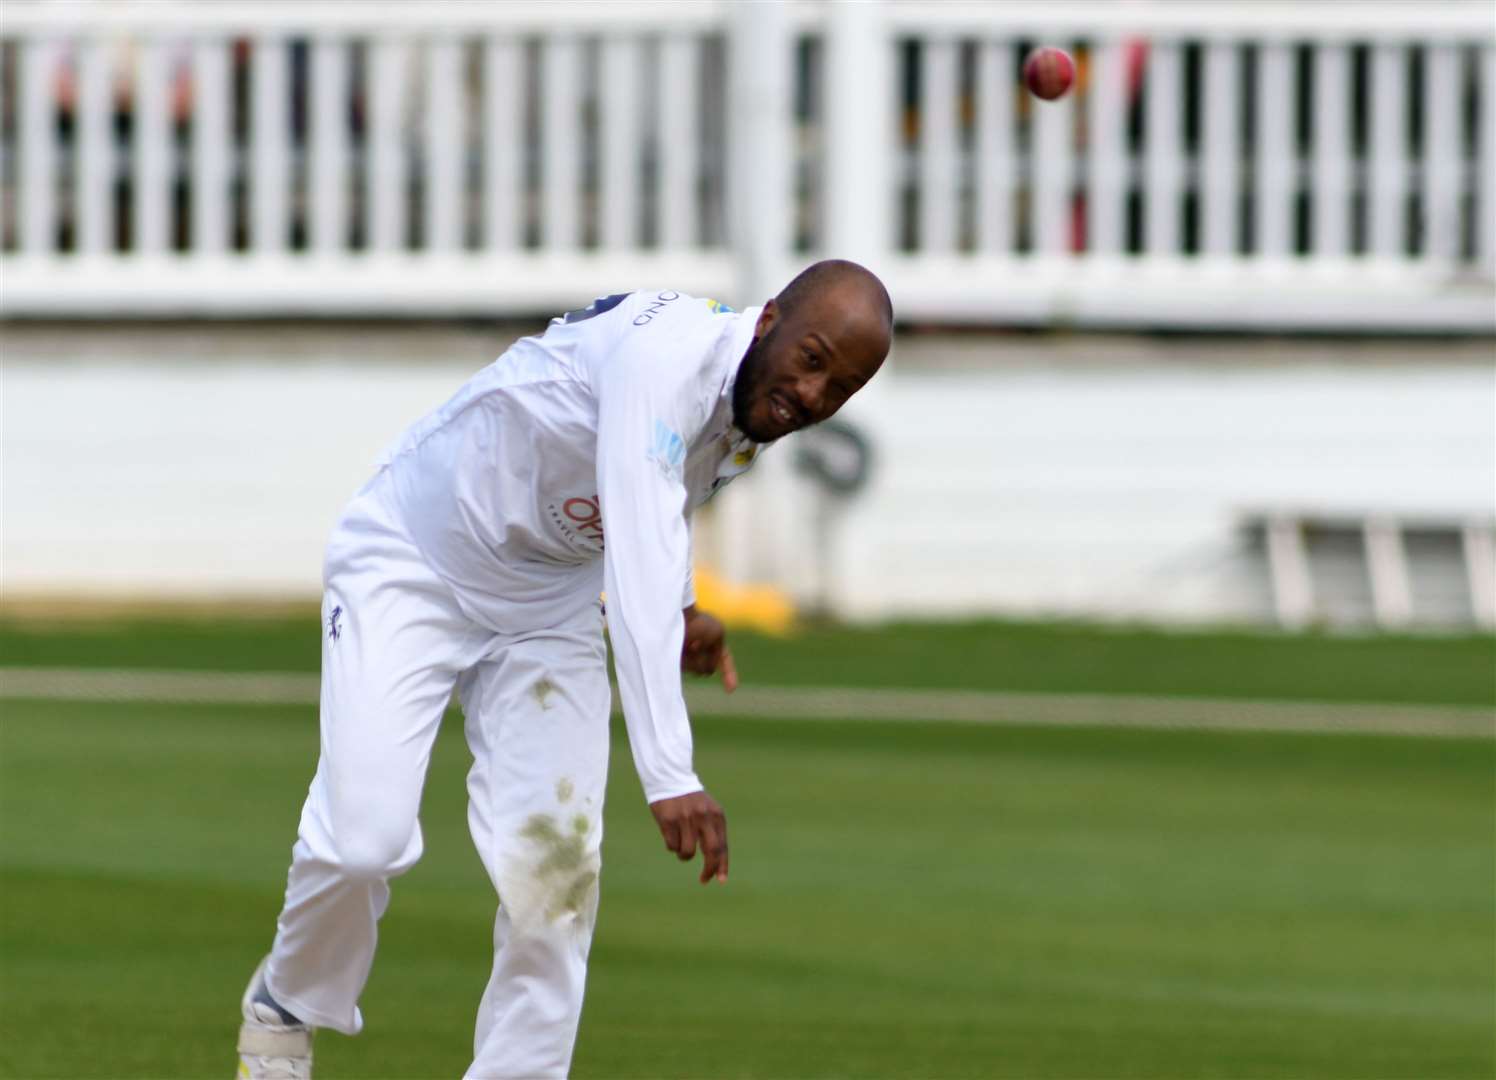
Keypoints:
pixel 329 144
pixel 268 144
pixel 94 182
pixel 619 95
pixel 154 149
pixel 759 160
pixel 1441 154
pixel 759 202
pixel 1331 208
pixel 1053 173
pixel 445 145
pixel 1387 167
pixel 388 78
pixel 938 134
pixel 210 146
pixel 1221 148
pixel 1106 101
pixel 560 75
pixel 503 142
pixel 676 150
pixel 1275 152
pixel 38 115
pixel 859 128
pixel 1164 168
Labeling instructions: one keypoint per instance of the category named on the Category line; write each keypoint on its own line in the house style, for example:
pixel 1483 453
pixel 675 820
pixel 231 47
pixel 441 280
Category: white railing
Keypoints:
pixel 1221 163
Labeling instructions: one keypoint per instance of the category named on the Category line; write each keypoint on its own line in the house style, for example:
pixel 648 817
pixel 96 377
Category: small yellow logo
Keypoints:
pixel 743 457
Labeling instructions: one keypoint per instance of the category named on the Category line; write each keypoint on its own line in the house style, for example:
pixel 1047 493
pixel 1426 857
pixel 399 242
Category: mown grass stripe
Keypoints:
pixel 821 703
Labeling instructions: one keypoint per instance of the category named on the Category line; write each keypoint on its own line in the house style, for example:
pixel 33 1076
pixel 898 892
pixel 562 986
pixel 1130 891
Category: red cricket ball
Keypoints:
pixel 1048 72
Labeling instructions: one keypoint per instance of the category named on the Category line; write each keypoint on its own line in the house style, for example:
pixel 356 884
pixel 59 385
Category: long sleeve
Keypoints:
pixel 646 417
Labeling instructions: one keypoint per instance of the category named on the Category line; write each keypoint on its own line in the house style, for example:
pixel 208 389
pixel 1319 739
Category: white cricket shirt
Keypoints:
pixel 570 465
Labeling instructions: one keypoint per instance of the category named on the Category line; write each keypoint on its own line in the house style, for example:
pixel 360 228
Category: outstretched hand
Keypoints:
pixel 705 650
pixel 691 821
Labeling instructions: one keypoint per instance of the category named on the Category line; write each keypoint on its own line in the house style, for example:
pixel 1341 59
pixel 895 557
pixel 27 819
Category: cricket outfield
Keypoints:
pixel 915 899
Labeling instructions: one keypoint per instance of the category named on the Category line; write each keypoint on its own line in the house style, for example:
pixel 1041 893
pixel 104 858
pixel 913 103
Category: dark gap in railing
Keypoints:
pixel 1360 99
pixel 1413 230
pixel 1241 238
pixel 1413 222
pixel 970 176
pixel 358 146
pixel 1469 129
pixel 651 163
pixel 530 190
pixel 712 204
pixel 10 55
pixel 182 98
pixel 412 181
pixel 590 170
pixel 1134 138
pixel 1306 76
pixel 807 110
pixel 1358 237
pixel 125 135
pixel 470 221
pixel 1191 147
pixel 1024 202
pixel 908 66
pixel 1250 65
pixel 1192 89
pixel 1075 198
pixel 1306 79
pixel 64 125
pixel 1189 222
pixel 298 208
pixel 240 145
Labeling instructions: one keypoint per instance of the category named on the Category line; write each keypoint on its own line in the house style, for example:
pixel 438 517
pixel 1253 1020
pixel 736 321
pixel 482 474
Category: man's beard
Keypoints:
pixel 750 371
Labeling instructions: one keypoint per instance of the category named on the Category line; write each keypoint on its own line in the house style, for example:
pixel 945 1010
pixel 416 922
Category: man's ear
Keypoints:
pixel 766 319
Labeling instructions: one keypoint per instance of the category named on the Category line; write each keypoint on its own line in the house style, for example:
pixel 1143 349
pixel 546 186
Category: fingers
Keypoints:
pixel 729 671
pixel 691 821
pixel 714 848
pixel 687 849
pixel 670 830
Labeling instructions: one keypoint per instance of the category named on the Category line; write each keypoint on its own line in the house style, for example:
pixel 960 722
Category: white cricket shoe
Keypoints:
pixel 270 1048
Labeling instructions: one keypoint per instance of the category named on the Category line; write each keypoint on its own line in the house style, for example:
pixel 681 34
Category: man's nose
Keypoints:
pixel 812 393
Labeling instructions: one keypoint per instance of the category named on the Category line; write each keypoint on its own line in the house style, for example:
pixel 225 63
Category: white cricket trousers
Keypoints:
pixel 394 646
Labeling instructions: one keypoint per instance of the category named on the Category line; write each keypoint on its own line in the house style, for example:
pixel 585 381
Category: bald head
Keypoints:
pixel 848 282
pixel 816 344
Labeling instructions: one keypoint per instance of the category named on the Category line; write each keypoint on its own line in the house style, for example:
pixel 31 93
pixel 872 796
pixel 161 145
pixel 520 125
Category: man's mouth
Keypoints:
pixel 788 418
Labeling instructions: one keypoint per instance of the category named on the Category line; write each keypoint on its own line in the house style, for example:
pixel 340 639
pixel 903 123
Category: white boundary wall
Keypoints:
pixel 374 158
pixel 1094 477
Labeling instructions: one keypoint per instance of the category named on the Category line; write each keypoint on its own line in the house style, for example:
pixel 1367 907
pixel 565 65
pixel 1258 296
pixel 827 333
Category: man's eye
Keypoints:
pixel 812 360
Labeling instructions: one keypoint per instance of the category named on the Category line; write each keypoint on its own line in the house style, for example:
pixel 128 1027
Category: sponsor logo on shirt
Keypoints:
pixel 667 450
pixel 580 520
pixel 717 307
pixel 655 307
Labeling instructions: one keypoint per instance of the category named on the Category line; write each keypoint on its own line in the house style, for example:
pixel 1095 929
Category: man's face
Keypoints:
pixel 802 368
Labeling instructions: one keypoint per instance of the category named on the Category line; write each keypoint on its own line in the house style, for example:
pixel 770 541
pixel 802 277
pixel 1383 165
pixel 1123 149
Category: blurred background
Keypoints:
pixel 1209 339
pixel 1119 668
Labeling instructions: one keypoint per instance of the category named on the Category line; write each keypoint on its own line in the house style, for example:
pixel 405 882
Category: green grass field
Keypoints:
pixel 908 900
